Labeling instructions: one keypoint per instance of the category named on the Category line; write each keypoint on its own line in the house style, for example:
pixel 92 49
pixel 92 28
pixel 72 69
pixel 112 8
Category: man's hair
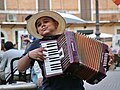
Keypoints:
pixel 28 17
pixel 8 45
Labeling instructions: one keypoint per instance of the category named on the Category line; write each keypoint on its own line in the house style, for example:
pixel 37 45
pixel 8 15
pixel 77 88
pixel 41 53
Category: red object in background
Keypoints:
pixel 117 2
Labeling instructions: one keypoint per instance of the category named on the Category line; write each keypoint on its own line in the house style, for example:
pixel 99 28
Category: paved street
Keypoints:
pixel 111 82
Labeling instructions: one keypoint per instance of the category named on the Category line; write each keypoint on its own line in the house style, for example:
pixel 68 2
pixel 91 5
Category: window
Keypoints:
pixel 2 38
pixel 1 4
pixel 118 31
pixel 85 9
pixel 43 5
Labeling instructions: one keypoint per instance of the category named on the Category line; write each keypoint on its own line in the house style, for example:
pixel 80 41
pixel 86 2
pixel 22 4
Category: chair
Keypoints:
pixel 20 76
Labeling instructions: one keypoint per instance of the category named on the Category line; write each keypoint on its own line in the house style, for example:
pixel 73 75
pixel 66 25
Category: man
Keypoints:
pixel 47 25
pixel 9 54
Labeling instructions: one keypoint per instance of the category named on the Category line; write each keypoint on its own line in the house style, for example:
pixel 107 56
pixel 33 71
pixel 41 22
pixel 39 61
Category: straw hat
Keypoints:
pixel 31 22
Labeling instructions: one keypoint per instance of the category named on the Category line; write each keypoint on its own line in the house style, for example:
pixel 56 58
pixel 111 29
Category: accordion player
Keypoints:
pixel 77 54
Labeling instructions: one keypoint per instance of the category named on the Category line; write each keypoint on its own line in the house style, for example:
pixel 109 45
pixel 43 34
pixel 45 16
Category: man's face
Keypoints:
pixel 46 26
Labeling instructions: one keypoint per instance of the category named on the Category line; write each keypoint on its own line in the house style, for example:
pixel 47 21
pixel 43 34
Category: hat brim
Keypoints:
pixel 31 22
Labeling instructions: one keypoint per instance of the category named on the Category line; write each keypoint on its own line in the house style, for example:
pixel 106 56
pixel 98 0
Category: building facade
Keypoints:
pixel 13 13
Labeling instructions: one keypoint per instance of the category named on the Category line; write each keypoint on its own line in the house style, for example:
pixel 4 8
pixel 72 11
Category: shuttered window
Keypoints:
pixel 118 31
pixel 85 9
pixel 1 4
pixel 43 5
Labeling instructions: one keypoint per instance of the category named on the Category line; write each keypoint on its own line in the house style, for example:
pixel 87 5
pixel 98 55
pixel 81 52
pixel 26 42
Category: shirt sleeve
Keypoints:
pixel 35 44
pixel 3 62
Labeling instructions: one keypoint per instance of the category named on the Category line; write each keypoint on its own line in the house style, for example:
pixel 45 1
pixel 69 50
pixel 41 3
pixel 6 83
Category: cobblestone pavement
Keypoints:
pixel 111 82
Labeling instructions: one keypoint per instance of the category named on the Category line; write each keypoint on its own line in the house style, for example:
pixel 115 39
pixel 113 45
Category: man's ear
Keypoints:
pixel 56 24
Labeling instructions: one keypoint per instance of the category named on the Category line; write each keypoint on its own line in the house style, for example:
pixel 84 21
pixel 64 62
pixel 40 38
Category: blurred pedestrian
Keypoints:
pixel 16 45
pixel 36 75
pixel 9 54
pixel 1 51
pixel 118 51
pixel 111 60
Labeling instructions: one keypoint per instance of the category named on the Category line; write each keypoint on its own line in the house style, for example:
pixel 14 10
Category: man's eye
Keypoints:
pixel 39 24
pixel 46 21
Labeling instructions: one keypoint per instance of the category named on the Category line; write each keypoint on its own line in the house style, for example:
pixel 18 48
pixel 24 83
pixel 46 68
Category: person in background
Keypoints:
pixel 36 75
pixel 16 46
pixel 47 25
pixel 9 54
pixel 1 51
pixel 111 60
pixel 118 51
pixel 26 42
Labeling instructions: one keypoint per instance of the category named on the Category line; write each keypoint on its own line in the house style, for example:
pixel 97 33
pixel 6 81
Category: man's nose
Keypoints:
pixel 43 25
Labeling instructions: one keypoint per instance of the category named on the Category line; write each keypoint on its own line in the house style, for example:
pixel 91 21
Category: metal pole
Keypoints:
pixel 97 33
pixel 0 38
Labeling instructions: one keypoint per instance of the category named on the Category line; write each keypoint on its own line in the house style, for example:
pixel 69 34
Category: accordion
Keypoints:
pixel 77 54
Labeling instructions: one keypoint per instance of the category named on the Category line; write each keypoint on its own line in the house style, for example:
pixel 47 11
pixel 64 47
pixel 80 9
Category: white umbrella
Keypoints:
pixel 102 35
pixel 69 18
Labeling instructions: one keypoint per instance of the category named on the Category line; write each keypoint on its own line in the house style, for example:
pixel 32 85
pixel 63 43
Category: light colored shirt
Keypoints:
pixel 1 55
pixel 37 69
pixel 36 73
pixel 6 59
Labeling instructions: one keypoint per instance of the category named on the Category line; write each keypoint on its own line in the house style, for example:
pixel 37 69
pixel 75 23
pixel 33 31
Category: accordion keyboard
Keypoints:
pixel 52 62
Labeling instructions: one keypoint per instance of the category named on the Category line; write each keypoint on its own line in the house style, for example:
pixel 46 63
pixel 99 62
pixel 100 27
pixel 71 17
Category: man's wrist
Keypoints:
pixel 28 55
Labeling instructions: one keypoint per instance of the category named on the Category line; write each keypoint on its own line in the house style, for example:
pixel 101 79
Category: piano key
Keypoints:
pixel 52 63
pixel 54 69
pixel 49 72
pixel 50 68
pixel 48 43
pixel 52 43
pixel 55 64
pixel 53 60
pixel 50 54
pixel 50 48
pixel 53 50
